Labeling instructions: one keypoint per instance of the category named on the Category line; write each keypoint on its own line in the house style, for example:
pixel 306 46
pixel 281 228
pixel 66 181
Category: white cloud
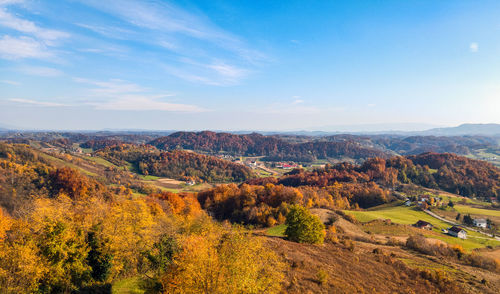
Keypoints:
pixel 8 2
pixel 215 73
pixel 36 45
pixel 143 103
pixel 297 100
pixel 14 83
pixel 22 47
pixel 228 71
pixel 48 37
pixel 36 103
pixel 111 87
pixel 117 94
pixel 40 71
pixel 187 34
pixel 474 47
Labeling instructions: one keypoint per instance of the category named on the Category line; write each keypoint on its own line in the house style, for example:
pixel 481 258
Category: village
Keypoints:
pixel 427 202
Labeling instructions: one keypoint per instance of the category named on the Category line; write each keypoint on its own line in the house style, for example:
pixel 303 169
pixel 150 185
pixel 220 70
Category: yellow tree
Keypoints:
pixel 224 261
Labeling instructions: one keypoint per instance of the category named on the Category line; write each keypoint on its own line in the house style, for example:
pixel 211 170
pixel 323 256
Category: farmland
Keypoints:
pixel 404 215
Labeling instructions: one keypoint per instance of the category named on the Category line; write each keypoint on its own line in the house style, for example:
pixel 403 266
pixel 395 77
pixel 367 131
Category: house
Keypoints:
pixel 423 225
pixel 480 222
pixel 408 202
pixel 457 232
pixel 191 183
pixel 284 165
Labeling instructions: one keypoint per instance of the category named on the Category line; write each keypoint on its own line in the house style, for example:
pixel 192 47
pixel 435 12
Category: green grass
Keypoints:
pixel 456 199
pixel 148 177
pixel 86 150
pixel 398 214
pixel 58 161
pixel 127 286
pixel 464 209
pixel 100 160
pixel 409 215
pixel 278 231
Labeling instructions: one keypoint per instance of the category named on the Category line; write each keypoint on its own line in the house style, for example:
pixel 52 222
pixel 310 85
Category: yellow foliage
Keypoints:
pixel 5 223
pixel 224 262
pixel 20 268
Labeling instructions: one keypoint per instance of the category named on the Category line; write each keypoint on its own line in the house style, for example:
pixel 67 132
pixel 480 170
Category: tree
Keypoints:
pixel 451 204
pixel 303 227
pixel 98 259
pixel 468 220
pixel 160 260
pixel 220 261
pixel 458 216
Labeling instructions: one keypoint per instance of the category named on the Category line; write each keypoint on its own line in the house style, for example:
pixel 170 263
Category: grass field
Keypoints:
pixel 278 231
pixel 464 209
pixel 409 215
pixel 100 160
pixel 127 286
pixel 60 162
pixel 148 177
pixel 398 214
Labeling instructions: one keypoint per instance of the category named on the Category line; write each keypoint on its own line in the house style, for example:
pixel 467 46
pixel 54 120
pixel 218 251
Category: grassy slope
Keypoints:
pixel 464 209
pixel 59 162
pixel 127 286
pixel 409 215
pixel 278 231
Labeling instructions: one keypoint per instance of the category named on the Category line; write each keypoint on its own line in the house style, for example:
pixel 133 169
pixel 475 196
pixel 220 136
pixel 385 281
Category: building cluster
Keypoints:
pixel 454 231
pixel 424 201
pixel 287 165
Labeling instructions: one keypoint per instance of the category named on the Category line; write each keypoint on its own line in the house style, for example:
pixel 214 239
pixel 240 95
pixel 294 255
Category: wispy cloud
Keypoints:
pixel 474 47
pixel 111 87
pixel 117 94
pixel 297 100
pixel 144 102
pixel 35 41
pixel 40 71
pixel 36 103
pixel 14 83
pixel 22 47
pixel 217 73
pixel 47 36
pixel 202 52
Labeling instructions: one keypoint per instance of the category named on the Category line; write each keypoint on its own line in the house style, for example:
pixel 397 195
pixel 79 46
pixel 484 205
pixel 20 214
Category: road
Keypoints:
pixel 457 224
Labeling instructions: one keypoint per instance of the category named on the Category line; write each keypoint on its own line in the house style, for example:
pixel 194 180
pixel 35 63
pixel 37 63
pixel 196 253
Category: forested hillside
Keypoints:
pixel 68 226
pixel 449 172
pixel 273 148
pixel 147 160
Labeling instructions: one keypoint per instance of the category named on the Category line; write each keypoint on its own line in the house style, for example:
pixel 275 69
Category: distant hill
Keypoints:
pixel 272 147
pixel 466 129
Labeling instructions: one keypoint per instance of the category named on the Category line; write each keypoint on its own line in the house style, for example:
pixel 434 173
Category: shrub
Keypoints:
pixel 348 243
pixel 322 277
pixel 483 262
pixel 303 227
pixel 419 243
pixel 351 218
pixel 331 235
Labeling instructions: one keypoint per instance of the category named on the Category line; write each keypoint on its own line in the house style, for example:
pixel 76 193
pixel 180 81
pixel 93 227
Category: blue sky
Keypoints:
pixel 248 65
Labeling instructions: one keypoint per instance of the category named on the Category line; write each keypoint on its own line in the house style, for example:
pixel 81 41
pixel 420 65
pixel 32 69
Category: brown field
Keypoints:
pixel 361 271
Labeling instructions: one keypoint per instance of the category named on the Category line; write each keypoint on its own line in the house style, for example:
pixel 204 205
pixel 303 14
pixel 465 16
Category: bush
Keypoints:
pixel 303 227
pixel 419 243
pixel 483 262
pixel 322 277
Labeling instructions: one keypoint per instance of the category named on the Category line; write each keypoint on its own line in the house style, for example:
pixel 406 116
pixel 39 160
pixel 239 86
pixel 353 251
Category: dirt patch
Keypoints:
pixel 324 214
pixel 493 253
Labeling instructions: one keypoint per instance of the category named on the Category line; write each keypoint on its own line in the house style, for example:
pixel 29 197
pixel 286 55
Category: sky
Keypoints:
pixel 248 65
